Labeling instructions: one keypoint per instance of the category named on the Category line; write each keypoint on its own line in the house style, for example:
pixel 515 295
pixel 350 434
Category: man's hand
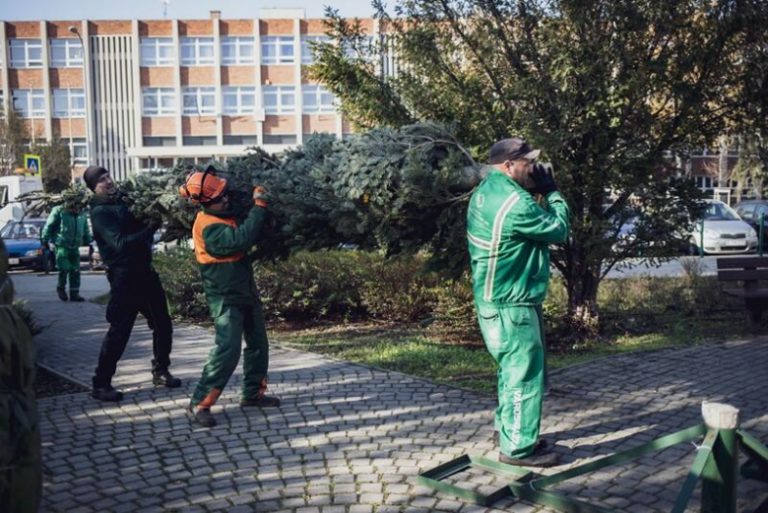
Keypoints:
pixel 260 197
pixel 542 177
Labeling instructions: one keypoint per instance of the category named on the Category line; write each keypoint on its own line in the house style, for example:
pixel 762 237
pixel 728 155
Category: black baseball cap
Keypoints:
pixel 513 148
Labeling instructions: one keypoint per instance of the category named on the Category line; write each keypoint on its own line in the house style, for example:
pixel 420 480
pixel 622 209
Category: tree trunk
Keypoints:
pixel 582 283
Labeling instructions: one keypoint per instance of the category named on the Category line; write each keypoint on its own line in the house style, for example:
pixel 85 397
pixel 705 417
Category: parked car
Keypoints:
pixel 724 231
pixel 22 239
pixel 750 211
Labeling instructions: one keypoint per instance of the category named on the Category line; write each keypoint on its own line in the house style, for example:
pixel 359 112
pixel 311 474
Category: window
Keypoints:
pixel 26 53
pixel 196 51
pixel 237 50
pixel 200 140
pixel 66 53
pixel 158 101
pixel 241 140
pixel 361 49
pixel 279 99
pixel 199 101
pixel 277 50
pixel 79 151
pixel 239 100
pixel 317 99
pixel 68 103
pixel 306 47
pixel 157 51
pixel 29 103
pixel 159 141
pixel 279 138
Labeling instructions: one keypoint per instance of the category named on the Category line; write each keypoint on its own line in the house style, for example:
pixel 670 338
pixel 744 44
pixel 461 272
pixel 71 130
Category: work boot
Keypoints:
pixel 74 296
pixel 107 393
pixel 202 416
pixel 540 458
pixel 265 401
pixel 62 294
pixel 165 379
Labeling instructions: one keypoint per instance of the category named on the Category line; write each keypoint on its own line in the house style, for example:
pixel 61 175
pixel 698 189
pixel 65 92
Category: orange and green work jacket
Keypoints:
pixel 221 250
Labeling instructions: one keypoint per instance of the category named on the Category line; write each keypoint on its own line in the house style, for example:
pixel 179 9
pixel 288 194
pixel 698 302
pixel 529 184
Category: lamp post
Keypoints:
pixel 73 29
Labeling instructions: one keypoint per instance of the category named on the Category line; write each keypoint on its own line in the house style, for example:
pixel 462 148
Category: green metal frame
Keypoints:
pixel 716 464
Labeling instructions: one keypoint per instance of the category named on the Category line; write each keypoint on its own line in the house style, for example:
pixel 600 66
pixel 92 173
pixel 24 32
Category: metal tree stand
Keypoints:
pixel 716 465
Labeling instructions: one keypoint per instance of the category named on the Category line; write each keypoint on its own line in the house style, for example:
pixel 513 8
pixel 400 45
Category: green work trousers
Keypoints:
pixel 68 263
pixel 232 324
pixel 513 336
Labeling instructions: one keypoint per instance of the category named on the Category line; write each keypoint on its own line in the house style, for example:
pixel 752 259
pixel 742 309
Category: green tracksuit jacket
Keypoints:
pixel 221 250
pixel 508 235
pixel 68 230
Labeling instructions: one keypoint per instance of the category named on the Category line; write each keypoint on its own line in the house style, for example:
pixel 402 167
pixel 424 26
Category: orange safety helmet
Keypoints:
pixel 203 186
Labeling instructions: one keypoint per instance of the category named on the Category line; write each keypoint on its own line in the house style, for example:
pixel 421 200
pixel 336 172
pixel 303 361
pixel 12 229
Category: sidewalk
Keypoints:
pixel 352 439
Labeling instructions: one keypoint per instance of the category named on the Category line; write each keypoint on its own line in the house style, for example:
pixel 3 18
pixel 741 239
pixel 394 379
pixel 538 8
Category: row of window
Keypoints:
pixel 210 140
pixel 236 100
pixel 67 103
pixel 160 51
pixel 196 101
pixel 235 50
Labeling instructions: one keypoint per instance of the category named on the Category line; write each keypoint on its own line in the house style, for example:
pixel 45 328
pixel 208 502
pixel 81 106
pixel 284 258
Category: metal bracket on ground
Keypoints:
pixel 716 464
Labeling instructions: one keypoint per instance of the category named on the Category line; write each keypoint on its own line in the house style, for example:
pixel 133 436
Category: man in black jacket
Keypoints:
pixel 125 245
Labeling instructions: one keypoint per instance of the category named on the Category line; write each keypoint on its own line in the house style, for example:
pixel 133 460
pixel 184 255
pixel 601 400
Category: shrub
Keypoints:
pixel 312 285
pixel 183 286
pixel 398 289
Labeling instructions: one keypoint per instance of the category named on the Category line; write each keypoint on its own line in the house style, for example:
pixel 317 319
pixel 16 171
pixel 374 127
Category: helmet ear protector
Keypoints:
pixel 200 197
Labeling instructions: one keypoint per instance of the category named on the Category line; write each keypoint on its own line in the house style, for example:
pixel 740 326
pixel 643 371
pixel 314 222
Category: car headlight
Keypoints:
pixel 710 234
pixel 751 234
pixel 32 252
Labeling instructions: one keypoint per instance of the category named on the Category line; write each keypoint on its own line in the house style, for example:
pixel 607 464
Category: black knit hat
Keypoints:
pixel 511 149
pixel 92 174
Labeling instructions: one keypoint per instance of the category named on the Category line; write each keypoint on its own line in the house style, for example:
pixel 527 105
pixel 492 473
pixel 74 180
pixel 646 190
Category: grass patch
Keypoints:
pixel 410 351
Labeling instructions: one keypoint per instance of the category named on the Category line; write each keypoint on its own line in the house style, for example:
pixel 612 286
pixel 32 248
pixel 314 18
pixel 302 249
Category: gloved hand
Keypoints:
pixel 260 197
pixel 542 177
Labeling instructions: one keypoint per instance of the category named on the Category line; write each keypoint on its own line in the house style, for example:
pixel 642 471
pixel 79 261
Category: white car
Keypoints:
pixel 724 231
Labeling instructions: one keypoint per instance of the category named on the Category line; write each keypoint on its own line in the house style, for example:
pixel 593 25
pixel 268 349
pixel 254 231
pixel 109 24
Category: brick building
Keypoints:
pixel 160 91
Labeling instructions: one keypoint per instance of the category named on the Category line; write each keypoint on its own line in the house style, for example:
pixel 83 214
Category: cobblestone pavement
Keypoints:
pixel 352 439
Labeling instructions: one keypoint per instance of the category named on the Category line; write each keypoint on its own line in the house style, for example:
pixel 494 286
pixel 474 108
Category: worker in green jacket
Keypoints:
pixel 67 228
pixel 508 235
pixel 221 250
pixel 20 461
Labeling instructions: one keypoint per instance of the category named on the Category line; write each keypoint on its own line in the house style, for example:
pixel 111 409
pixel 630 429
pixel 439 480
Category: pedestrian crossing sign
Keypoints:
pixel 32 163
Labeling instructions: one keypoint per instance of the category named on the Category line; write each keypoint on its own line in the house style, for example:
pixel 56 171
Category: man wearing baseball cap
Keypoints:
pixel 508 235
pixel 125 245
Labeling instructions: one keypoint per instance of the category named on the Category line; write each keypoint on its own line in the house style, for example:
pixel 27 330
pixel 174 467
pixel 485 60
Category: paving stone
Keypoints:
pixel 349 439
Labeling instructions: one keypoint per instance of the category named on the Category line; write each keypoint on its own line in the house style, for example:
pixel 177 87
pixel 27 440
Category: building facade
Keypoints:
pixel 146 94
pixel 143 94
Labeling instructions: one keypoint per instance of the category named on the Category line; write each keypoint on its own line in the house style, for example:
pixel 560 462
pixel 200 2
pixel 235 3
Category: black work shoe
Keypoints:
pixel 265 401
pixel 539 458
pixel 74 296
pixel 107 393
pixel 62 294
pixel 202 416
pixel 165 379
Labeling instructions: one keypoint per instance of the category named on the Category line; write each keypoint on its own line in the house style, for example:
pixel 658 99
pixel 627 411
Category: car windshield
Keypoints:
pixel 21 230
pixel 720 212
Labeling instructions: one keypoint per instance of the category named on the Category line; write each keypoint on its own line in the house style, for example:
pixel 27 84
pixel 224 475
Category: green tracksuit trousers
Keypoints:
pixel 68 263
pixel 232 323
pixel 513 336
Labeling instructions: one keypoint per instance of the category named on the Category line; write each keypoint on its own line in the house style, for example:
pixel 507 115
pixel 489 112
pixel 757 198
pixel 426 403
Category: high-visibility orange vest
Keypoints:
pixel 202 221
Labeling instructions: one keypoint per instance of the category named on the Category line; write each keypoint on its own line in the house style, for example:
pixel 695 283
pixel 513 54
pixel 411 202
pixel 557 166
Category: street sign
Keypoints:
pixel 32 163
